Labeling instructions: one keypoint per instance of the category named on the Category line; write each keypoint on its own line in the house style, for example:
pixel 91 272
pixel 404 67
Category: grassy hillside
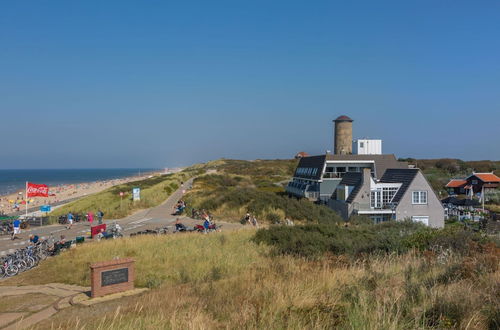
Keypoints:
pixel 257 187
pixel 229 281
pixel 153 192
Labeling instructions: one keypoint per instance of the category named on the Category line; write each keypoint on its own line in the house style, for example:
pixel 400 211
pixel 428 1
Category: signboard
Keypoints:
pixel 115 276
pixel 136 192
pixel 45 208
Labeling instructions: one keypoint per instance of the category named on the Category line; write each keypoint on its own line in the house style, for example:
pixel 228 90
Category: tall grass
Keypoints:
pixel 219 281
pixel 171 259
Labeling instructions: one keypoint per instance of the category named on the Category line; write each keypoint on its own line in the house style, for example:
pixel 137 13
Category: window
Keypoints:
pixel 388 194
pixel 382 197
pixel 340 169
pixel 422 219
pixel 375 200
pixel 353 169
pixel 419 197
pixel 361 144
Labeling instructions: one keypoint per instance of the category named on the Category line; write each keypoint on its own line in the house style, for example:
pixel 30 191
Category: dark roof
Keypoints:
pixel 450 200
pixel 311 162
pixel 382 162
pixel 343 118
pixel 352 179
pixel 399 175
pixel 468 202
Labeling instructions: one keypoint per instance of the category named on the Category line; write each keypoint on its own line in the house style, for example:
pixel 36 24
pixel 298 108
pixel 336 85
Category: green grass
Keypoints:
pixel 171 259
pixel 229 281
pixel 153 192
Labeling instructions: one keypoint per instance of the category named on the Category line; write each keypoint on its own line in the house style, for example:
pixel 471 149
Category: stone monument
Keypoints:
pixel 112 276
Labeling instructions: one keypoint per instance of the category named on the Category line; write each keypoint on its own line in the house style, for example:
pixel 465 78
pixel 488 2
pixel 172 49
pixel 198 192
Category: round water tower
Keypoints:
pixel 343 135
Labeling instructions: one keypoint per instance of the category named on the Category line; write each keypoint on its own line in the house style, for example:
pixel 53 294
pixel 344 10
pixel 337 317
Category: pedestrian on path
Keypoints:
pixel 100 215
pixel 16 228
pixel 90 217
pixel 70 220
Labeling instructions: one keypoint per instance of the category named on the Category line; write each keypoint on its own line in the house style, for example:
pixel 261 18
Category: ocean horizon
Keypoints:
pixel 12 180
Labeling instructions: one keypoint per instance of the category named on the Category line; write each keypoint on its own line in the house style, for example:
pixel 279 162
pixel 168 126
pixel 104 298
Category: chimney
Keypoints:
pixel 367 174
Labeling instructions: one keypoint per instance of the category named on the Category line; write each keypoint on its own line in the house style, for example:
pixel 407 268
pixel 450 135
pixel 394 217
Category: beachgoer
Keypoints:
pixel 70 220
pixel 16 228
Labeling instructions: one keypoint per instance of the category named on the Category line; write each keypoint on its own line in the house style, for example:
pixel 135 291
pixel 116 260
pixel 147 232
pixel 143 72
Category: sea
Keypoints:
pixel 15 180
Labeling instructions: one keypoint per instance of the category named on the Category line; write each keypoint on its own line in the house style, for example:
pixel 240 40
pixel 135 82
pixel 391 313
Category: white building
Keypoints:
pixel 367 147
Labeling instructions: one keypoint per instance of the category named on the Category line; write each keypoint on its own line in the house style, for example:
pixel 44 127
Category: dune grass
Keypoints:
pixel 153 192
pixel 171 259
pixel 228 281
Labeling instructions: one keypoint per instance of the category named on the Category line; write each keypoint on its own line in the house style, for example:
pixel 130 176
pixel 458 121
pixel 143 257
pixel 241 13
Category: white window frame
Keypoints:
pixel 421 219
pixel 420 196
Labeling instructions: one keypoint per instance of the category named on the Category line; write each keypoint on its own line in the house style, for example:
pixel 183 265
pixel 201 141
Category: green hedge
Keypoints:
pixel 390 237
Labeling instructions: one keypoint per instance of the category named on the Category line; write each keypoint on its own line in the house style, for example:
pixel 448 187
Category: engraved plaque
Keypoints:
pixel 115 276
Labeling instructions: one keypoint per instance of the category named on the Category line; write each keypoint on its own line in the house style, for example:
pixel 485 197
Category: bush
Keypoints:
pixel 389 237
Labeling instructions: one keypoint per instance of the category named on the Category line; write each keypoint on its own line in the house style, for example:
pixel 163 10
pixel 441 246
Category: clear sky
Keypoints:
pixel 164 83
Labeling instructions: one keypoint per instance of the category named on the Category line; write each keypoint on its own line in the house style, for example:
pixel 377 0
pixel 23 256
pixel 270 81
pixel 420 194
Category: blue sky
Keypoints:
pixel 163 83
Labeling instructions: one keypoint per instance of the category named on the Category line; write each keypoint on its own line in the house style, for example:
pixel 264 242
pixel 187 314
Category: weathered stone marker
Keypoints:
pixel 112 276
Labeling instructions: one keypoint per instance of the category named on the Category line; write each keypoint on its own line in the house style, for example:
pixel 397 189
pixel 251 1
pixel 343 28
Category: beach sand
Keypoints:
pixel 62 193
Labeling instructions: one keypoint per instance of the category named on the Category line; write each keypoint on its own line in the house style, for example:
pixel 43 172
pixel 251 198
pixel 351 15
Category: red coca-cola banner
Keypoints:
pixel 37 190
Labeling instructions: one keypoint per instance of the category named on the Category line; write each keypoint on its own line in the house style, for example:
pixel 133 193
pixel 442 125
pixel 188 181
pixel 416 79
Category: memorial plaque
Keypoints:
pixel 112 276
pixel 115 276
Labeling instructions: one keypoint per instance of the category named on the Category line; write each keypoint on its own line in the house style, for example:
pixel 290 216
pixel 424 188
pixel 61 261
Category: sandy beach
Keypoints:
pixel 61 193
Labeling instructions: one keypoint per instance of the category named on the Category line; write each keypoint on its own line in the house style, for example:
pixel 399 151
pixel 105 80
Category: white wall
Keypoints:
pixel 367 147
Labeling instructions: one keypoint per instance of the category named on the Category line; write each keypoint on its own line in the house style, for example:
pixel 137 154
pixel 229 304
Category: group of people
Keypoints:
pixel 90 218
pixel 179 207
pixel 251 220
pixel 53 245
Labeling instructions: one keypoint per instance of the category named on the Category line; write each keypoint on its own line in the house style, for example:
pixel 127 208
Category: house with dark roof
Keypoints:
pixel 474 184
pixel 399 194
pixel 317 177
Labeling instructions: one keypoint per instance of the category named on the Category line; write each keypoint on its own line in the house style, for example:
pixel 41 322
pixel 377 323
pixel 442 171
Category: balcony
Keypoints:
pixel 333 175
pixel 366 208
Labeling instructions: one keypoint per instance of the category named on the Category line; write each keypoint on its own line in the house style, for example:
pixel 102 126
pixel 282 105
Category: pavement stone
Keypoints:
pixel 6 318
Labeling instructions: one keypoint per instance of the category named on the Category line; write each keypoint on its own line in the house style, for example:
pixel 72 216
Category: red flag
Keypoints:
pixel 40 190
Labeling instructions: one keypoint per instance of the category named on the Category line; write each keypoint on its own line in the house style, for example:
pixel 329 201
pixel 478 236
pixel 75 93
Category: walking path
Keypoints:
pixel 155 217
pixel 28 305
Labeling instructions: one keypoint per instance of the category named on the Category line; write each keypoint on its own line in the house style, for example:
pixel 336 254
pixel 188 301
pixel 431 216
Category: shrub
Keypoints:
pixel 389 237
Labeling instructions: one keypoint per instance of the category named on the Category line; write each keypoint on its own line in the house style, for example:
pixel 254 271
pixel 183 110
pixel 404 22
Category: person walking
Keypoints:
pixel 90 217
pixel 16 228
pixel 70 220
pixel 100 215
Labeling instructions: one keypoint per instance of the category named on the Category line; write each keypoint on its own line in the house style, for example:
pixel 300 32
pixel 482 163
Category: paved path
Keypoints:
pixel 155 217
pixel 20 316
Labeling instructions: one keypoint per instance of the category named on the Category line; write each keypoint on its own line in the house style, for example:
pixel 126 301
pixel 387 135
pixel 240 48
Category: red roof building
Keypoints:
pixel 301 154
pixel 476 183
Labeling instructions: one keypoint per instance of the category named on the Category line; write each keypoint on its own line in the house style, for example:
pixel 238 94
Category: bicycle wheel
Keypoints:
pixel 11 270
pixel 21 265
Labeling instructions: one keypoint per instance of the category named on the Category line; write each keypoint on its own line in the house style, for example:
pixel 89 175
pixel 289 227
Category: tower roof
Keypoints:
pixel 343 118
